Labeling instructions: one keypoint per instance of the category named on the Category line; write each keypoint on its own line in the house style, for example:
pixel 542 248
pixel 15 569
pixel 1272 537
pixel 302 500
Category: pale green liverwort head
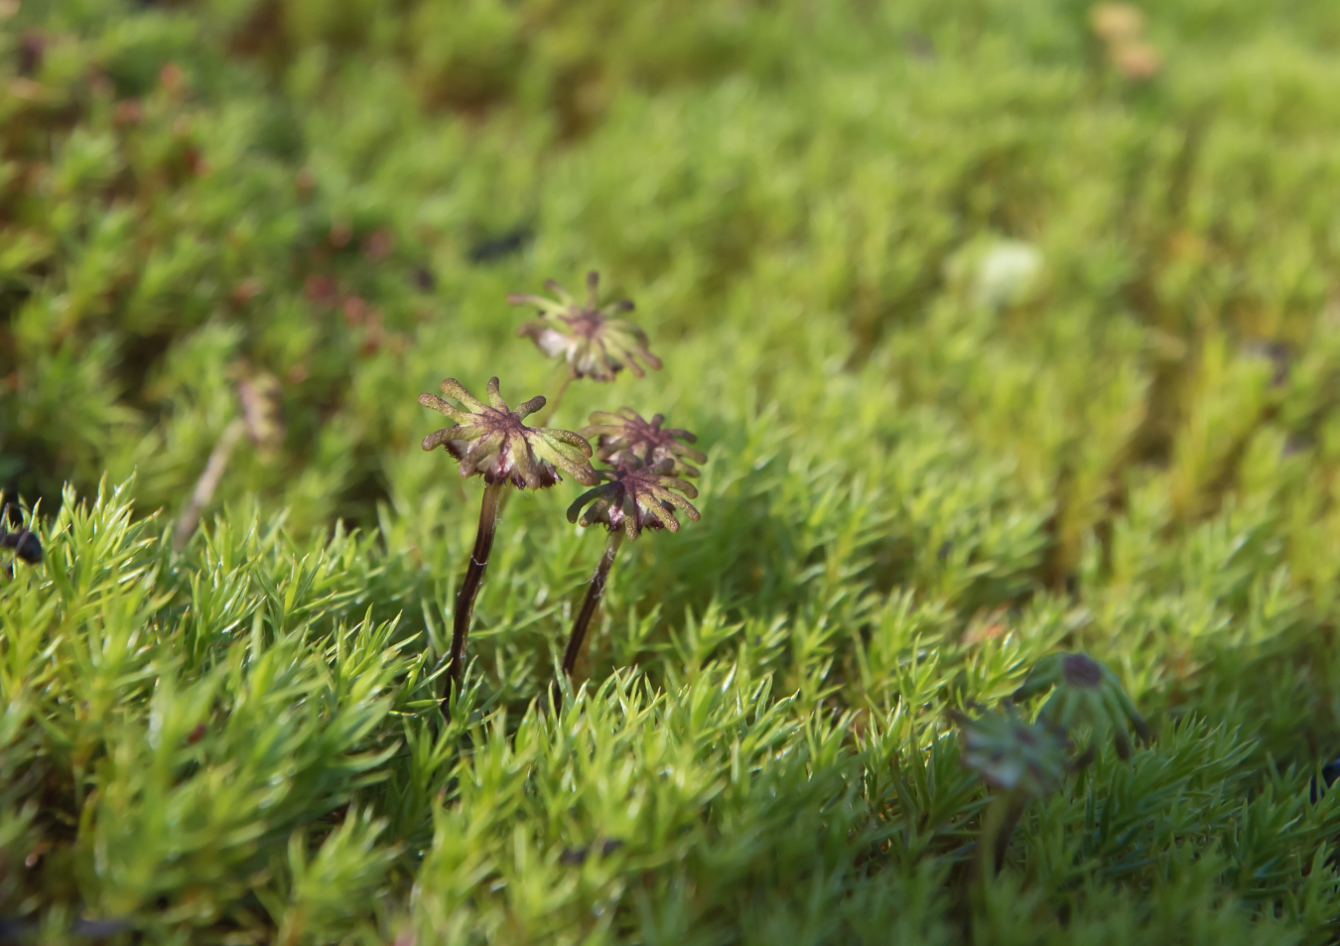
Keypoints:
pixel 492 441
pixel 1012 754
pixel 1084 693
pixel 589 338
pixel 634 497
pixel 625 436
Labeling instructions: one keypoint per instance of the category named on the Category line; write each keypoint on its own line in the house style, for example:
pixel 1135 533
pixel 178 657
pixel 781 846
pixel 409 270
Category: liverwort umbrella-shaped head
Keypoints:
pixel 594 343
pixel 1012 754
pixel 634 497
pixel 1084 692
pixel 492 441
pixel 626 437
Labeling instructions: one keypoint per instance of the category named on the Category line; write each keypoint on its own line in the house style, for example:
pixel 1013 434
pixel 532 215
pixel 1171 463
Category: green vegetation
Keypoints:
pixel 1007 329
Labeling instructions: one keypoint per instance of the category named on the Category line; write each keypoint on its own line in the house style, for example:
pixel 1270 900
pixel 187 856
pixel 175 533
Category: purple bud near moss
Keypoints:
pixel 588 337
pixel 491 440
pixel 1084 693
pixel 634 498
pixel 625 436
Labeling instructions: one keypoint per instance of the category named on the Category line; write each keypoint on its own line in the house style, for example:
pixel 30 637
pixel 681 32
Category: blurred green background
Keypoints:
pixel 1085 262
pixel 1007 326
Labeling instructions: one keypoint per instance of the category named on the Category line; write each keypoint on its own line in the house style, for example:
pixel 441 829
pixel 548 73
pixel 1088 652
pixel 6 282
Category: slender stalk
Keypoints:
pixel 465 598
pixel 1002 815
pixel 594 592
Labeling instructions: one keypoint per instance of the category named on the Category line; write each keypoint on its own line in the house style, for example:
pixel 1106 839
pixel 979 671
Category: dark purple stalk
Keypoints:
pixel 594 592
pixel 465 598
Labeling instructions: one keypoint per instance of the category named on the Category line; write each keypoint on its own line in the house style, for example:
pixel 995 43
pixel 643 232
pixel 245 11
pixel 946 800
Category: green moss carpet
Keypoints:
pixel 1008 329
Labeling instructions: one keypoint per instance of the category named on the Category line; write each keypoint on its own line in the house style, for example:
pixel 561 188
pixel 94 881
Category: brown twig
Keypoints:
pixel 207 484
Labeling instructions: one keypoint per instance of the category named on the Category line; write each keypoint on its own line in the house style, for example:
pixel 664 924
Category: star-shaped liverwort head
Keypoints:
pixel 1084 693
pixel 491 440
pixel 636 497
pixel 589 337
pixel 626 437
pixel 1013 755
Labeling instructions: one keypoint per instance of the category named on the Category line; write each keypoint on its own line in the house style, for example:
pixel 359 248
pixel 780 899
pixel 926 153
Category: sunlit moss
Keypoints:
pixel 1010 332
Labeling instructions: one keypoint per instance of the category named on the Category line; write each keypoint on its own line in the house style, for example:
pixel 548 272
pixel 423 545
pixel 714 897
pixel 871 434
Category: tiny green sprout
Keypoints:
pixel 1020 760
pixel 625 436
pixel 589 338
pixel 1085 692
pixel 491 440
pixel 634 496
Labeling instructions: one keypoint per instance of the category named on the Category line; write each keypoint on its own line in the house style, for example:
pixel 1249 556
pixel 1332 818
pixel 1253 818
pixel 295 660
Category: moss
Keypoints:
pixel 1001 342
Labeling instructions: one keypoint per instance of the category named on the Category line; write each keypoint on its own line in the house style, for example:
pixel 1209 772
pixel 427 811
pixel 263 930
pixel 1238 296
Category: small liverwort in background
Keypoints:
pixel 590 340
pixel 1018 760
pixel 1084 693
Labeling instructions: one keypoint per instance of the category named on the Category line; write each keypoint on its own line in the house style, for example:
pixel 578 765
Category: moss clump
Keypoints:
pixel 1009 331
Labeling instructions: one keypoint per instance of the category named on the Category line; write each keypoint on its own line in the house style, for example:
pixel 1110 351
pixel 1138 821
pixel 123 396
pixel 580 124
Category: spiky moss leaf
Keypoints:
pixel 261 740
